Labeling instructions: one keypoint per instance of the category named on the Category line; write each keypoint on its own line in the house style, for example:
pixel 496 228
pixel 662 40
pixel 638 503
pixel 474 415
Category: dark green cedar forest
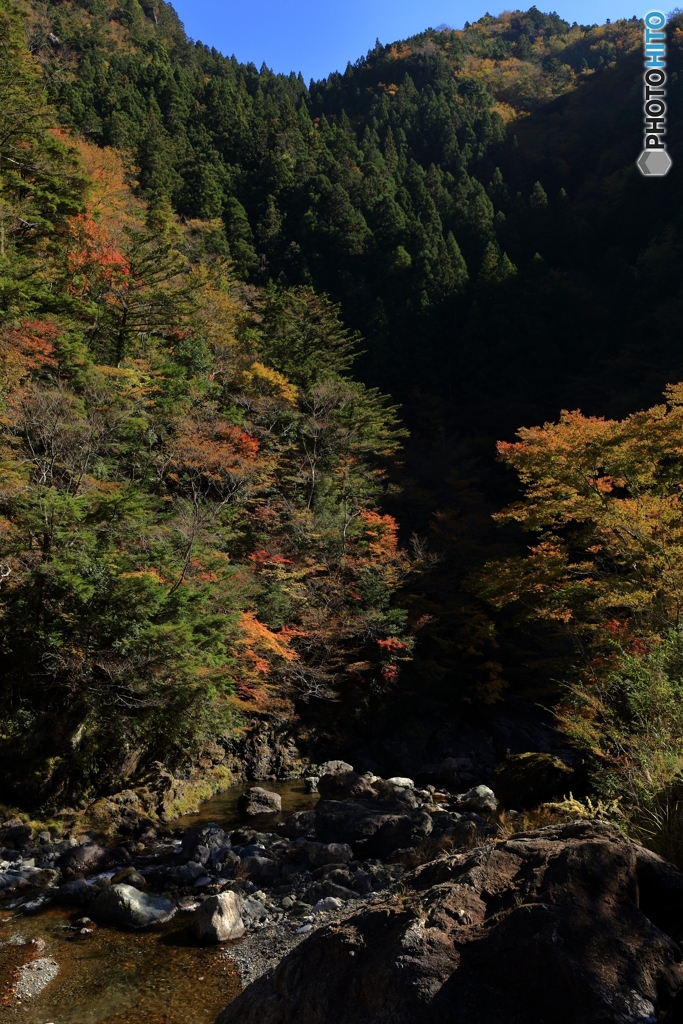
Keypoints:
pixel 259 338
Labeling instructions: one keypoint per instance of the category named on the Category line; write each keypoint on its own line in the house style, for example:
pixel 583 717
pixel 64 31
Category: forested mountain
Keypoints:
pixel 411 189
pixel 211 276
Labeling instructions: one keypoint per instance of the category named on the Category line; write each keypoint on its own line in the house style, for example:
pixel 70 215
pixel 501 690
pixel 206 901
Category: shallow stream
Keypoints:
pixel 116 977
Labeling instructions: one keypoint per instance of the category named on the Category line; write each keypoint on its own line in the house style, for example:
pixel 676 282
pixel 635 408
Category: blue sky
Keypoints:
pixel 320 36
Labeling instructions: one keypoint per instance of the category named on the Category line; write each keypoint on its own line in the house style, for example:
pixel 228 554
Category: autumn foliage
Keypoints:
pixel 190 534
pixel 604 574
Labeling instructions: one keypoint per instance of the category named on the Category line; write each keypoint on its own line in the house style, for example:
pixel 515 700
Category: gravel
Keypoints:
pixel 262 951
pixel 34 976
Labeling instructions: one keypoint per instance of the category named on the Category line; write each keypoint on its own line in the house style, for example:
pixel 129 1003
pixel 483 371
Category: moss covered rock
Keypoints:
pixel 526 780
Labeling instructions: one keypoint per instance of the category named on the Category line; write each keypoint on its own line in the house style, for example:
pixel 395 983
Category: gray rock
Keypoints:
pixel 348 786
pixel 123 905
pixel 372 828
pixel 334 768
pixel 301 823
pixel 362 882
pixel 16 833
pixel 254 850
pixel 328 853
pixel 253 911
pixel 210 837
pixel 337 873
pixel 311 783
pixel 180 874
pixel 219 918
pixel 257 866
pixel 42 877
pixel 327 904
pixel 35 976
pixel 480 799
pixel 401 782
pixel 225 861
pixel 259 801
pixel 25 877
pixel 320 890
pixel 10 880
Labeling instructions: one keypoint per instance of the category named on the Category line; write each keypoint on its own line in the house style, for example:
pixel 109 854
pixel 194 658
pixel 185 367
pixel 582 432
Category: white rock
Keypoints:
pixel 480 799
pixel 219 918
pixel 328 903
pixel 401 783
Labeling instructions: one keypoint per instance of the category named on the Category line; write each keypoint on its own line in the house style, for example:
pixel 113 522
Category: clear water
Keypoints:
pixel 116 977
pixel 223 808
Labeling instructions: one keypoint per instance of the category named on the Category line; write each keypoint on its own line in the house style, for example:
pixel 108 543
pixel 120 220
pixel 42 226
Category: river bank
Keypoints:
pixel 108 976
pixel 288 880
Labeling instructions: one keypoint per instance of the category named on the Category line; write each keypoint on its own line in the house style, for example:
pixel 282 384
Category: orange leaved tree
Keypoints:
pixel 604 499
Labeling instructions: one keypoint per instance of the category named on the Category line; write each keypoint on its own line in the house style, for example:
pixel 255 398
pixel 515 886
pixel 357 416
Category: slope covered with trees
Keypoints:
pixel 203 515
pixel 189 522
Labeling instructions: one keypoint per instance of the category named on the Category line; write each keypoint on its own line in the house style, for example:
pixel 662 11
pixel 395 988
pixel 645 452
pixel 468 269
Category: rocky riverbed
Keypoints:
pixel 358 837
pixel 377 900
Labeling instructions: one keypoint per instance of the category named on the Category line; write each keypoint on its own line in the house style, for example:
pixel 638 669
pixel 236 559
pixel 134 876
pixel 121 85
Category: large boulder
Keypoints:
pixel 481 799
pixel 344 786
pixel 219 918
pixel 328 853
pixel 301 823
pixel 334 767
pixel 548 926
pixel 207 837
pixel 90 858
pixel 259 801
pixel 129 908
pixel 176 874
pixel 526 780
pixel 372 828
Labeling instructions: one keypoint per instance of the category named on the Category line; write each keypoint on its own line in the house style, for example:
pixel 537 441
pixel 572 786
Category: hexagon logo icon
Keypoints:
pixel 654 163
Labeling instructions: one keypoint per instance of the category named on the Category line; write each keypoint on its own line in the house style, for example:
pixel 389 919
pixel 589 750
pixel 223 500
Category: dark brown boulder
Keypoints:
pixel 372 828
pixel 546 928
pixel 344 786
pixel 300 823
pixel 90 858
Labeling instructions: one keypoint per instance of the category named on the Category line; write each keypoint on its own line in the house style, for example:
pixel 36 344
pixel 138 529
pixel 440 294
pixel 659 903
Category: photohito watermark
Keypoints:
pixel 654 161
